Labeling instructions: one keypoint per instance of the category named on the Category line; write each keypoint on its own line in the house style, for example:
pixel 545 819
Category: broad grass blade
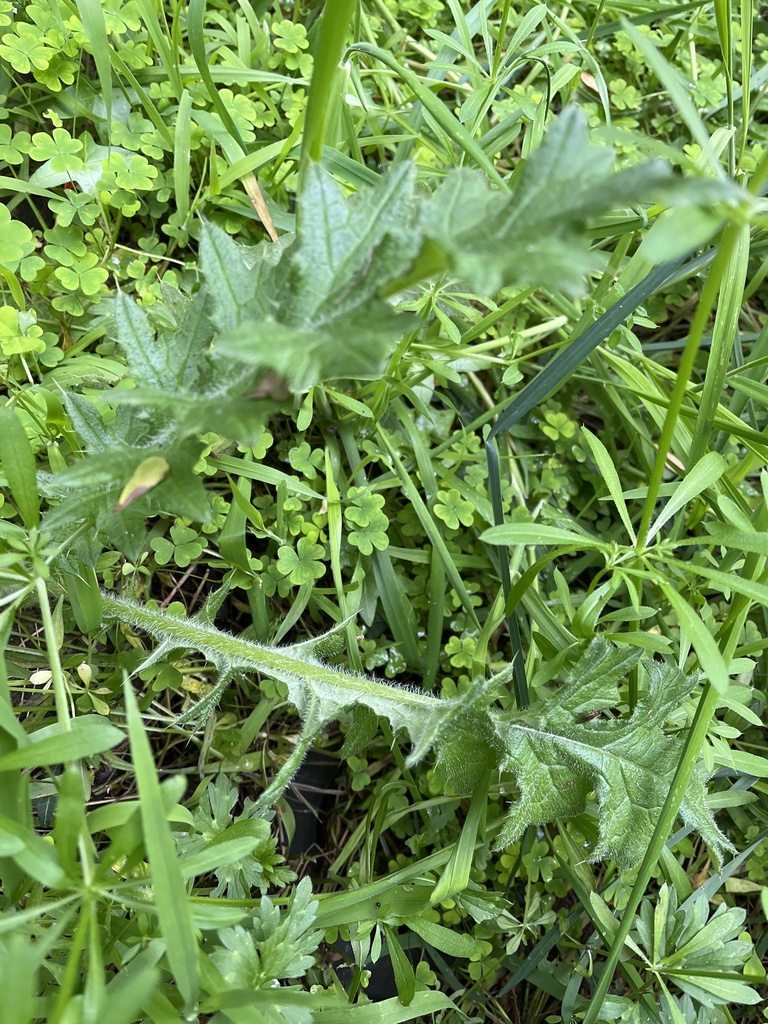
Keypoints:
pixel 678 93
pixel 92 16
pixel 170 892
pixel 181 148
pixel 18 465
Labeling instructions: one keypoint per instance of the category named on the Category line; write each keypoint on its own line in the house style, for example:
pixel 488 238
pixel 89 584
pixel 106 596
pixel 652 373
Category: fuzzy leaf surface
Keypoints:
pixel 559 750
pixel 538 235
pixel 317 314
pixel 561 754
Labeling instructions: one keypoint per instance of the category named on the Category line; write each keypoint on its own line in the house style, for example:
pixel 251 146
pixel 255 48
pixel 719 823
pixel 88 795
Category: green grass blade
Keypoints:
pixel 725 35
pixel 69 822
pixel 161 39
pixel 387 1011
pixel 724 334
pixel 678 93
pixel 434 638
pixel 535 534
pixel 336 20
pixel 92 16
pixel 348 170
pixel 454 129
pixel 549 380
pixel 14 785
pixel 21 963
pixel 196 31
pixel 455 877
pixel 431 530
pixel 53 744
pixel 562 366
pixel 611 478
pixel 405 979
pixel 169 889
pixel 181 149
pixel 84 598
pixel 715 882
pixel 18 464
pixel 705 710
pixel 746 44
pixel 151 110
pixel 397 609
pixel 348 603
pixel 709 293
pixel 727 639
pixel 129 990
pixel 707 651
pixel 266 475
pixel 701 476
pixel 25 188
pixel 647 17
pixel 519 680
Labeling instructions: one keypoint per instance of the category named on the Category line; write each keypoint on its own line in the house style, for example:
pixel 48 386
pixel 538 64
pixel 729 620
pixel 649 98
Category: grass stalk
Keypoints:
pixel 60 693
pixel 712 286
pixel 336 18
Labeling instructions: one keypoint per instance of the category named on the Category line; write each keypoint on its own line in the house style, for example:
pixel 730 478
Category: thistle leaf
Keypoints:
pixel 562 750
pixel 561 754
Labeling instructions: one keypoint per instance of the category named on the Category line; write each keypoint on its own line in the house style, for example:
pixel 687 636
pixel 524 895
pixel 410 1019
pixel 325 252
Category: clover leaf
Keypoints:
pixel 303 564
pixel 83 275
pixel 13 146
pixel 373 534
pixel 184 546
pixel 121 16
pixel 25 48
pixel 19 333
pixel 289 37
pixel 260 447
pixel 122 175
pixel 90 176
pixel 74 204
pixel 64 244
pixel 68 304
pixel 623 95
pixel 59 147
pixel 558 424
pixel 360 778
pixel 453 509
pixel 461 651
pixel 59 72
pixel 16 240
pixel 306 461
pixel 134 176
pixel 366 506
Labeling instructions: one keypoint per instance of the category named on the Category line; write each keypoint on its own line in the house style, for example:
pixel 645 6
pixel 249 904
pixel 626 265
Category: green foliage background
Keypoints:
pixel 382 383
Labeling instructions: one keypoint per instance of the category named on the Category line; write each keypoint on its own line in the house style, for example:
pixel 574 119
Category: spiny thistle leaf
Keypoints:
pixel 561 754
pixel 558 750
pixel 319 692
